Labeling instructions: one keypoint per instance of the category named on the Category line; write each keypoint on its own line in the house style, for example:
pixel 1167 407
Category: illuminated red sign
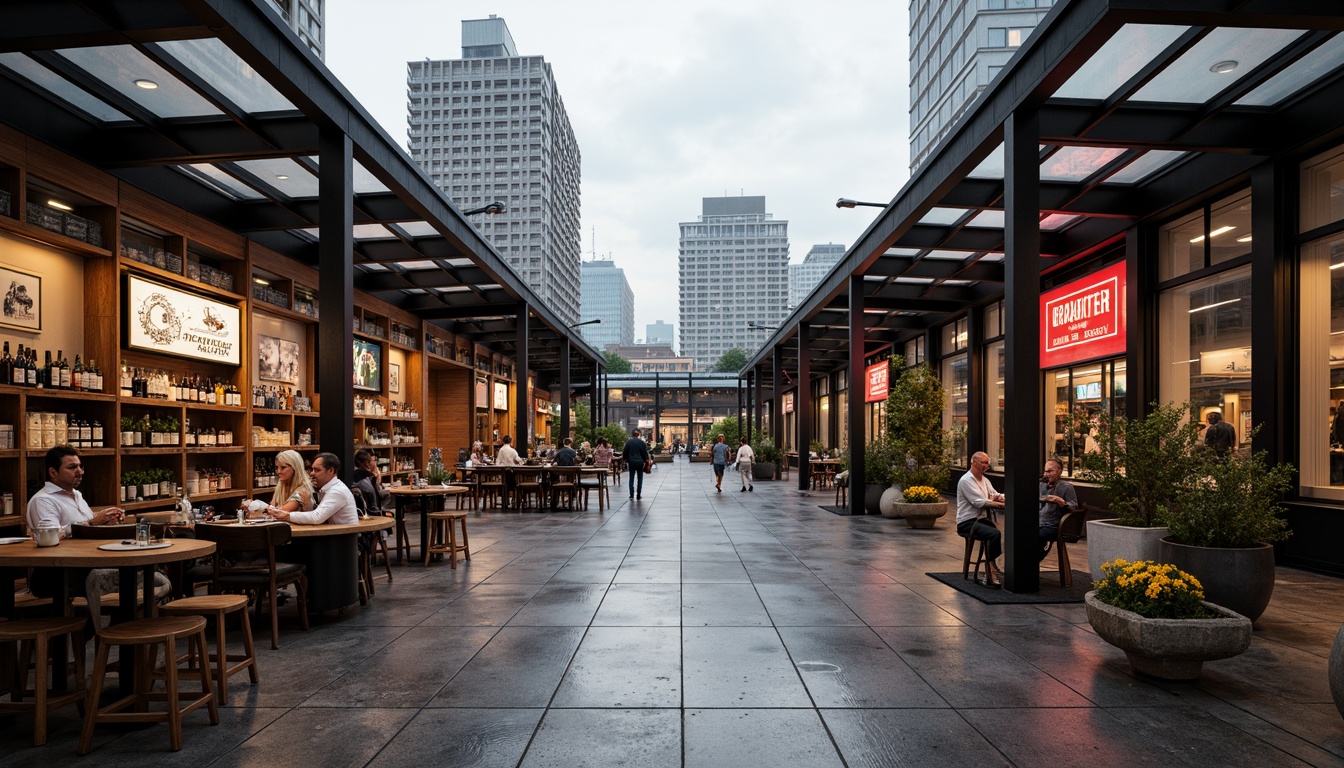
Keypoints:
pixel 1084 319
pixel 879 382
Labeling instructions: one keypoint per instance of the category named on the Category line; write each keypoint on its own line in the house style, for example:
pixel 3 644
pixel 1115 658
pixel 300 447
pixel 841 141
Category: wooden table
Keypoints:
pixel 330 555
pixel 402 494
pixel 84 553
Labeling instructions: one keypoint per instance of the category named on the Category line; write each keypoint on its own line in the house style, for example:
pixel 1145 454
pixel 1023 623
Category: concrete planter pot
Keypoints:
pixel 872 498
pixel 1240 579
pixel 1170 649
pixel 923 515
pixel 1107 540
pixel 762 470
pixel 891 497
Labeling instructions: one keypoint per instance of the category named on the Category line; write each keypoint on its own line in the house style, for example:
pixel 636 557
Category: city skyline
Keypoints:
pixel 659 124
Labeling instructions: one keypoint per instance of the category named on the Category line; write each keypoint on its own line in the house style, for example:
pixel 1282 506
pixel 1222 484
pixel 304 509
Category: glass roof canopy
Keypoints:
pixel 223 109
pixel 1137 108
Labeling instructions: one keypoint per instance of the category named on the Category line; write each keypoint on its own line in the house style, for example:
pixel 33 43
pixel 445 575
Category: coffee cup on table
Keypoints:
pixel 47 535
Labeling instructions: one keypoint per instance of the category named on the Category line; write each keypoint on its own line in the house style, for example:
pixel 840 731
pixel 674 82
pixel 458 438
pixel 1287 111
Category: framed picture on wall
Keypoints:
pixel 23 299
pixel 277 359
pixel 394 378
pixel 368 366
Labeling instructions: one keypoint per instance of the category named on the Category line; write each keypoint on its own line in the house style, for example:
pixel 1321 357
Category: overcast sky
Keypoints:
pixel 799 101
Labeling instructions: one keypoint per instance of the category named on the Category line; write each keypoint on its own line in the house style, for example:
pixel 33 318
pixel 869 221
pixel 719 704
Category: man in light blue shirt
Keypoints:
pixel 720 452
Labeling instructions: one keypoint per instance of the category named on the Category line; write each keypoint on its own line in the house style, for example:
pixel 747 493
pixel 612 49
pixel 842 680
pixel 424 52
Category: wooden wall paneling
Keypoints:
pixel 64 171
pixel 449 418
pixel 13 147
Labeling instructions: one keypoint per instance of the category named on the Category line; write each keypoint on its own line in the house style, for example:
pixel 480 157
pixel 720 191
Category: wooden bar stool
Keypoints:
pixel 219 606
pixel 151 633
pixel 443 537
pixel 34 637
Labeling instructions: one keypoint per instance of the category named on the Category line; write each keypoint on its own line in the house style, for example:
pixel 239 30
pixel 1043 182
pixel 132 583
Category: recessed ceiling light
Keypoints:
pixel 1214 233
pixel 261 281
pixel 1244 239
pixel 281 176
pixel 1223 67
pixel 58 205
pixel 148 85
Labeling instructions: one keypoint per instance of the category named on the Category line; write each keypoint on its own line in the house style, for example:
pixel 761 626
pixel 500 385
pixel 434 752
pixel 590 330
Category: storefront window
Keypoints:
pixel 1075 400
pixel 1322 332
pixel 842 403
pixel 994 395
pixel 1206 347
pixel 914 351
pixel 956 382
pixel 1213 235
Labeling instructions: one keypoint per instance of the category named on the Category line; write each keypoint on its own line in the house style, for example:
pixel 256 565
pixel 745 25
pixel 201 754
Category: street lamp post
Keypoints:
pixel 494 207
pixel 845 202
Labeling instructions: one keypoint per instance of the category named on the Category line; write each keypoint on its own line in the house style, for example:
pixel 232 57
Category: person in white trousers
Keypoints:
pixel 745 457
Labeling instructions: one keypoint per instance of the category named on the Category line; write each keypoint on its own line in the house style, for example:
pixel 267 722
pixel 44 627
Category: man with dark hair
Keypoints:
pixel 635 454
pixel 1220 437
pixel 507 455
pixel 335 502
pixel 567 456
pixel 1057 498
pixel 368 480
pixel 59 502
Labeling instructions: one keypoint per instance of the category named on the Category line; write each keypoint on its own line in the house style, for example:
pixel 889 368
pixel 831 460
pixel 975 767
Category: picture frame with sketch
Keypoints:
pixel 22 305
pixel 277 359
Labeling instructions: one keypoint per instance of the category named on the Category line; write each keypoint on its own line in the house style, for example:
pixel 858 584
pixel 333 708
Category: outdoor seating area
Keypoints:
pixel 612 633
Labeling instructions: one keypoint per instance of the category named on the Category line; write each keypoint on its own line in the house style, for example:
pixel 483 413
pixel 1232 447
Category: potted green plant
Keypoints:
pixel 1157 614
pixel 767 458
pixel 878 458
pixel 1222 527
pixel 1141 465
pixel 919 444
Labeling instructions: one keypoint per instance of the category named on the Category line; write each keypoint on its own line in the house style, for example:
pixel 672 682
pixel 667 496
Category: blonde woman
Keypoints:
pixel 293 491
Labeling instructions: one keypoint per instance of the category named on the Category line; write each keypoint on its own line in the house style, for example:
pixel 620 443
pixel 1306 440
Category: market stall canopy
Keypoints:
pixel 217 106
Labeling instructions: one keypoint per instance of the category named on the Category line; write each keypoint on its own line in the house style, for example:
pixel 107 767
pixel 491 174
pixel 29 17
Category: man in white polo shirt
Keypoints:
pixel 59 502
pixel 335 502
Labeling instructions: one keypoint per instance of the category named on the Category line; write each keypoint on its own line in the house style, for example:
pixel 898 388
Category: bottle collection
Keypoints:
pixel 279 398
pixel 404 436
pixel 263 472
pixel 208 480
pixel 24 370
pixel 163 385
pixel 369 406
pixel 46 430
pixel 206 437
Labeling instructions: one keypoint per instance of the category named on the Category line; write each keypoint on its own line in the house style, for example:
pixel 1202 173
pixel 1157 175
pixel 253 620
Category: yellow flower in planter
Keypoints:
pixel 921 494
pixel 1153 590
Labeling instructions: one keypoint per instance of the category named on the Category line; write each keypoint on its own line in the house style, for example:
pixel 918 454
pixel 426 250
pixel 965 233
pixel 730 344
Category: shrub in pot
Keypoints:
pixel 919 443
pixel 878 459
pixel 1222 527
pixel 767 455
pixel 1142 465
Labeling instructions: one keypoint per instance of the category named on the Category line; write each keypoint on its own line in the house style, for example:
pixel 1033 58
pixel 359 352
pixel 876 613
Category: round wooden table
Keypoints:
pixel 404 493
pixel 330 555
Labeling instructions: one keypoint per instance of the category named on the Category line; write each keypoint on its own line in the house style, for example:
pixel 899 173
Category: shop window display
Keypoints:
pixel 1075 400
pixel 1322 332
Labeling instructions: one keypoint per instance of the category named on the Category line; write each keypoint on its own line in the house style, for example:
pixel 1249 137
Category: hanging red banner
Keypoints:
pixel 1084 319
pixel 879 382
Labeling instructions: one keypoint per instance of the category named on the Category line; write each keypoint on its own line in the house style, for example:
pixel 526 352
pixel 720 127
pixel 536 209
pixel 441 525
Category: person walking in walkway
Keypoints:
pixel 720 455
pixel 745 458
pixel 975 494
pixel 635 454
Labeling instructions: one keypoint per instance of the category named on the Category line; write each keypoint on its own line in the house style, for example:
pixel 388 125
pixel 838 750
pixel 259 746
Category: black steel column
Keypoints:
pixel 1274 363
pixel 520 367
pixel 741 417
pixel 777 404
pixel 1022 349
pixel 747 414
pixel 336 296
pixel 977 436
pixel 858 395
pixel 566 392
pixel 690 408
pixel 1140 322
pixel 802 407
pixel 756 398
pixel 657 407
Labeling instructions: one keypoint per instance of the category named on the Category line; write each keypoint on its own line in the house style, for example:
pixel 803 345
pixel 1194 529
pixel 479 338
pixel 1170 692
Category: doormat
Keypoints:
pixel 1050 592
pixel 842 511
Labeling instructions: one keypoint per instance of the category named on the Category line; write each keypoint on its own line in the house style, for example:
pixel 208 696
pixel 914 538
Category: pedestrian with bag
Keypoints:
pixel 637 460
pixel 745 458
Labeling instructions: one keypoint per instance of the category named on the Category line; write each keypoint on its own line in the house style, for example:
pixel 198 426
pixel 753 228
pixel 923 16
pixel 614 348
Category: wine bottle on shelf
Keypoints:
pixel 124 386
pixel 7 367
pixel 77 375
pixel 64 368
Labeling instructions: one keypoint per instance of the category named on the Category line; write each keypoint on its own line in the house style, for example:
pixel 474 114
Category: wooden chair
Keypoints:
pixel 527 485
pixel 220 606
pixel 443 537
pixel 370 545
pixel 33 638
pixel 564 481
pixel 598 483
pixel 263 578
pixel 492 486
pixel 151 633
pixel 1070 532
pixel 980 558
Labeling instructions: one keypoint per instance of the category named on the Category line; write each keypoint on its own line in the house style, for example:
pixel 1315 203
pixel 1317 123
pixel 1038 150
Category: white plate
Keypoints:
pixel 121 546
pixel 14 540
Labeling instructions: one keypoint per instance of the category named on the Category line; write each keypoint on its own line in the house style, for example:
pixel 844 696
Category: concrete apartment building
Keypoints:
pixel 805 276
pixel 956 48
pixel 491 126
pixel 733 272
pixel 306 18
pixel 606 296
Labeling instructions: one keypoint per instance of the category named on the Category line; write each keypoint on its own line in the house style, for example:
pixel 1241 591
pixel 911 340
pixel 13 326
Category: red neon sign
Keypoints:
pixel 879 382
pixel 1084 319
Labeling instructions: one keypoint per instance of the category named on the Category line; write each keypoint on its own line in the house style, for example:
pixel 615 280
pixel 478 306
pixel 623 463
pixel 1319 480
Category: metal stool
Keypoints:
pixel 34 637
pixel 443 537
pixel 150 633
pixel 219 606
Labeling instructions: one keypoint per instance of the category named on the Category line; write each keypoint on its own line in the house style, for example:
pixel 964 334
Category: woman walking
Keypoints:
pixel 745 458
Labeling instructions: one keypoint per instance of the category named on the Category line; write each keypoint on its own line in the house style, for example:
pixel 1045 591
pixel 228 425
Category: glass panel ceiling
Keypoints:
pixel 417 228
pixel 219 180
pixel 372 232
pixel 1128 51
pixel 1077 163
pixel 364 182
pixel 418 264
pixel 132 74
pixel 943 255
pixel 1058 221
pixel 987 219
pixel 991 167
pixel 942 216
pixel 1305 71
pixel 1144 166
pixel 60 87
pixel 283 175
pixel 1218 61
pixel 215 63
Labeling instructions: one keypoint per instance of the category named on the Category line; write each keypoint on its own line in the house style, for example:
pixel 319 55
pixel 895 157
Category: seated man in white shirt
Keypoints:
pixel 335 502
pixel 507 455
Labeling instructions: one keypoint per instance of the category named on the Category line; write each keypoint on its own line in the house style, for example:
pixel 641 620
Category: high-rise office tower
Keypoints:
pixel 804 277
pixel 306 19
pixel 956 48
pixel 491 126
pixel 659 333
pixel 606 296
pixel 734 275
